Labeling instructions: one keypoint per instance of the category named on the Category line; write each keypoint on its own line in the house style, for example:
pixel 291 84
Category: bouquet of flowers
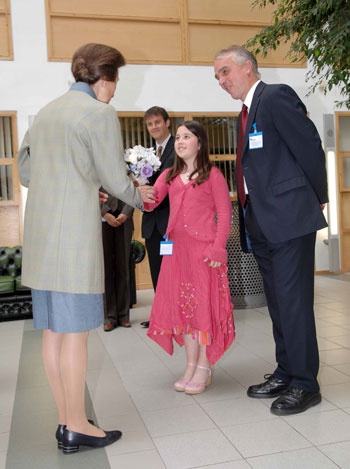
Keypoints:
pixel 142 162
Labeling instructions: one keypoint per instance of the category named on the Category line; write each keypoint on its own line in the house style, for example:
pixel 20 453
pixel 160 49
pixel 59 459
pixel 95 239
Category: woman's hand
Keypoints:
pixel 103 197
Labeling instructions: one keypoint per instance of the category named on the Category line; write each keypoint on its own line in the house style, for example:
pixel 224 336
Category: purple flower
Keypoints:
pixel 146 171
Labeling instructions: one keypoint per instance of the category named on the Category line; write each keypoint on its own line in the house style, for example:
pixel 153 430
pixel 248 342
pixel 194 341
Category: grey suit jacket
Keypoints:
pixel 73 147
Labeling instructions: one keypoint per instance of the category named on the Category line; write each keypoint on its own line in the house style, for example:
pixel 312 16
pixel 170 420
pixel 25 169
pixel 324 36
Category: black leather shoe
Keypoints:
pixel 272 387
pixel 294 401
pixel 71 441
pixel 125 324
pixel 109 327
pixel 145 324
pixel 59 433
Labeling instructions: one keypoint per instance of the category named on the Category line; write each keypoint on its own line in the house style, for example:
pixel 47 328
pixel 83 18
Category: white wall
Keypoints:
pixel 30 81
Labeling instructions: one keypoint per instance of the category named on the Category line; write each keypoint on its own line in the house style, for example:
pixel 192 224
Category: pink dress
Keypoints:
pixel 191 297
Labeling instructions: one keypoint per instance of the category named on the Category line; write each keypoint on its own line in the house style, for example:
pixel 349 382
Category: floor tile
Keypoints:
pixel 130 387
pixel 176 420
pixel 140 459
pixel 335 357
pixel 339 453
pixel 264 437
pixel 338 394
pixel 321 428
pixel 241 464
pixel 237 411
pixel 309 458
pixel 195 448
pixel 329 375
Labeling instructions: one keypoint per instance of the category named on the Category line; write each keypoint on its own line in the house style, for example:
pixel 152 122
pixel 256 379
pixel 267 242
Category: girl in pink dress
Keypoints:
pixel 192 303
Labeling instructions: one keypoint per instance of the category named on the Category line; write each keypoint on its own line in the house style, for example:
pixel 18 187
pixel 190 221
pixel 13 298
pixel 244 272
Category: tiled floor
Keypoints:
pixel 130 384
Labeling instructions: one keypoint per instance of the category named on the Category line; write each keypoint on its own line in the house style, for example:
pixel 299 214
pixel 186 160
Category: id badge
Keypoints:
pixel 166 247
pixel 255 139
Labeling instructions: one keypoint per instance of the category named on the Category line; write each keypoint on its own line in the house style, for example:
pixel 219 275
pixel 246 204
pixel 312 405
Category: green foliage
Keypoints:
pixel 319 31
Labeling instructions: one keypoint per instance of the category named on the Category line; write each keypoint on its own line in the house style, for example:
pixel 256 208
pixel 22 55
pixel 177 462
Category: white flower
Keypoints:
pixel 141 162
pixel 132 157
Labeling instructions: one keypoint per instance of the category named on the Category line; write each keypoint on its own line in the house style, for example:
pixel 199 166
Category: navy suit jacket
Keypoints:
pixel 160 215
pixel 286 178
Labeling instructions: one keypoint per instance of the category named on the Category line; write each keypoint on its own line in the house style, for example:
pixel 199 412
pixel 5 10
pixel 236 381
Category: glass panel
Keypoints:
pixel 346 172
pixel 228 170
pixel 344 133
pixel 6 183
pixel 221 134
pixel 174 122
pixel 134 131
pixel 5 137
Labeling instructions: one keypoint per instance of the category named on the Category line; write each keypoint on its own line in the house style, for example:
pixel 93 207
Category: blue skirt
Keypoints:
pixel 67 312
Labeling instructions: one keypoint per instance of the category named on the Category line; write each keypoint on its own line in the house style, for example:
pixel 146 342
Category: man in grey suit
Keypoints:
pixel 154 223
pixel 282 188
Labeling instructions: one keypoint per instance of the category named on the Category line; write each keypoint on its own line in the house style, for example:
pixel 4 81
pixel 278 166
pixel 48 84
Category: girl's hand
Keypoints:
pixel 212 263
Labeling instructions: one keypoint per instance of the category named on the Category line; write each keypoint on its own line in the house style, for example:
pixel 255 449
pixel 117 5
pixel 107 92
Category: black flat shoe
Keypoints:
pixel 272 387
pixel 71 441
pixel 294 401
pixel 59 433
pixel 145 324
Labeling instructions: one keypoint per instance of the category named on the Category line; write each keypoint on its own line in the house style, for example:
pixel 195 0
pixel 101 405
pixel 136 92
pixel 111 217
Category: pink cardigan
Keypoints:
pixel 206 207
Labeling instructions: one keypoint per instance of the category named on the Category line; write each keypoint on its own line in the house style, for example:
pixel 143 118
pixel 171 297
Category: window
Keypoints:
pixel 6 159
pixel 10 215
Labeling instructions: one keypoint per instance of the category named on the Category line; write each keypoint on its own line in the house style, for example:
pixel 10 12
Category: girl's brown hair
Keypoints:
pixel 202 163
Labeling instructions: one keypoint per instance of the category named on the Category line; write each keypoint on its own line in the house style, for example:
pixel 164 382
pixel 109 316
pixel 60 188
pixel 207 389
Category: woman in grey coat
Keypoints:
pixel 73 147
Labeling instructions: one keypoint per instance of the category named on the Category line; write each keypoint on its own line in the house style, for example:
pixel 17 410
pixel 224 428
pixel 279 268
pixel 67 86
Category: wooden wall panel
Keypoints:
pixel 4 46
pixel 10 230
pixel 153 42
pixel 161 31
pixel 6 52
pixel 142 272
pixel 239 11
pixel 127 8
pixel 345 212
pixel 206 40
pixel 345 252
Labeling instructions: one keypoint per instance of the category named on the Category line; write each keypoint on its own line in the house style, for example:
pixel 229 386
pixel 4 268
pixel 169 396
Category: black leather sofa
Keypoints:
pixel 15 298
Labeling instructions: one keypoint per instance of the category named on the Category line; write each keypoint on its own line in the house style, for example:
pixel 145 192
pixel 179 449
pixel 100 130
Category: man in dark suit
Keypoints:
pixel 154 223
pixel 281 169
pixel 117 229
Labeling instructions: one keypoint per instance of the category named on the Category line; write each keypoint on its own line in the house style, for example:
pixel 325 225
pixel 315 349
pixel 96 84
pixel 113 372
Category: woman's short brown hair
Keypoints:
pixel 94 61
